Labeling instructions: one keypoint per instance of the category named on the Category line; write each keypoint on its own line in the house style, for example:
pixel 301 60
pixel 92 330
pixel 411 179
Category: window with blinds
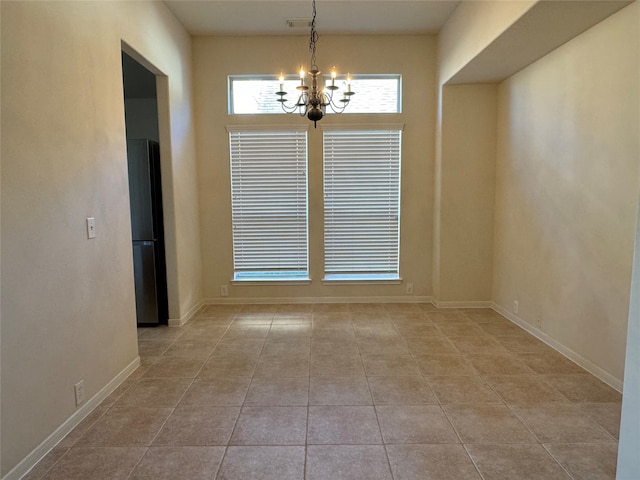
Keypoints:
pixel 269 203
pixel 362 203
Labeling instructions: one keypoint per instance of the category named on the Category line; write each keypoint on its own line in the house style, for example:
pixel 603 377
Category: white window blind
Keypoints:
pixel 269 203
pixel 362 203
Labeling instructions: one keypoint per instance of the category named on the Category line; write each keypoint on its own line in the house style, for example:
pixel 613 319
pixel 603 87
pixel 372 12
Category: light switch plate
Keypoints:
pixel 91 227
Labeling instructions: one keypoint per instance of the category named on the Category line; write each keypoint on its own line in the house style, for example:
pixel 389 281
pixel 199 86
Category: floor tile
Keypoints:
pixel 270 426
pixel 245 347
pixel 327 346
pixel 343 425
pixel 196 347
pixel 329 390
pixel 376 331
pixel 477 344
pixel 401 390
pixel 156 392
pixel 462 389
pixel 177 366
pixel 246 331
pixel 586 461
pixel 429 345
pixel 522 344
pixel 550 363
pixel 431 462
pixel 336 365
pixel 583 388
pixel 502 329
pixel 126 426
pixel 459 329
pixel 523 389
pixel 74 435
pixel 216 391
pixel 333 331
pixel 290 331
pixel 274 392
pixel 168 463
pixel 347 462
pixel 444 364
pixel 48 461
pixel 291 319
pixel 555 422
pixel 426 329
pixel 605 414
pixel 240 365
pixel 484 315
pixel 510 462
pixel 415 424
pixel 447 316
pixel 284 365
pixel 197 425
pixel 388 346
pixel 161 332
pixel 487 423
pixel 262 463
pixel 153 348
pixel 383 365
pixel 498 364
pixel 83 463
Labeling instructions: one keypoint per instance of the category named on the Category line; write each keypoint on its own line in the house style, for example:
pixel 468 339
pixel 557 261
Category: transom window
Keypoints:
pixel 256 94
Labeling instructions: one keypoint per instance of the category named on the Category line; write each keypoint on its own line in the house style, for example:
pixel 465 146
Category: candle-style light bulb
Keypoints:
pixel 348 82
pixel 333 76
pixel 281 82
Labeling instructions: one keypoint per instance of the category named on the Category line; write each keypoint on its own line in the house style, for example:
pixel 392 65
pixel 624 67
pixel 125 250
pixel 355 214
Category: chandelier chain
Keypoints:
pixel 313 38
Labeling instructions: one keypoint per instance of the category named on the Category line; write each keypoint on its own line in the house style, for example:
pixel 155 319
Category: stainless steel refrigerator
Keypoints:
pixel 147 229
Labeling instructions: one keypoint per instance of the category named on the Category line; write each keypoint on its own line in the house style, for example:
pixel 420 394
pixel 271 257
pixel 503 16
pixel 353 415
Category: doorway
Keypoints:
pixel 145 193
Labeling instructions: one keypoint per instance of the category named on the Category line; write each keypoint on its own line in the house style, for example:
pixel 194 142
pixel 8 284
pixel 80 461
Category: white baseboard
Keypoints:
pixel 289 300
pixel 80 414
pixel 178 322
pixel 576 358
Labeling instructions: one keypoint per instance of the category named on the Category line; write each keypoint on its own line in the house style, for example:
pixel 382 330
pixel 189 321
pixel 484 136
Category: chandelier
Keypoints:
pixel 312 100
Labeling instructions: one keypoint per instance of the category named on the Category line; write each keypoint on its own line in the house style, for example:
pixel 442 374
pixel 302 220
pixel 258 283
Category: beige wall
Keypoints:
pixel 567 189
pixel 466 194
pixel 412 56
pixel 67 302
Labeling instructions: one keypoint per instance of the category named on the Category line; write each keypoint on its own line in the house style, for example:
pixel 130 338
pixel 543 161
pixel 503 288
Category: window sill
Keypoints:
pixel 361 280
pixel 272 281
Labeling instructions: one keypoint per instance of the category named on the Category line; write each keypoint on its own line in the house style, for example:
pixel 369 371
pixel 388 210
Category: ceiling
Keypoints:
pixel 269 17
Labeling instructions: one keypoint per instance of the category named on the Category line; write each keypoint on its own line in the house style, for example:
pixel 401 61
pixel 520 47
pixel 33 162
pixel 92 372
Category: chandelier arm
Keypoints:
pixel 299 105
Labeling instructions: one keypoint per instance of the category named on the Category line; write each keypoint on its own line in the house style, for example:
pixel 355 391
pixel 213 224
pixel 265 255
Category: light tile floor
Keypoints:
pixel 350 391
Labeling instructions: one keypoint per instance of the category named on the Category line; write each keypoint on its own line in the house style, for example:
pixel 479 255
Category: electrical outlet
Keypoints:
pixel 79 390
pixel 410 288
pixel 515 307
pixel 539 320
pixel 224 290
